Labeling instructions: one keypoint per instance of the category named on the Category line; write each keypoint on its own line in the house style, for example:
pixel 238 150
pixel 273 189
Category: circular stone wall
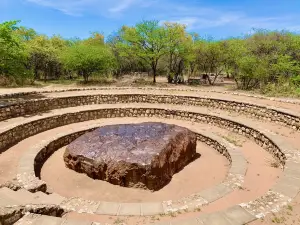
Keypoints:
pixel 144 155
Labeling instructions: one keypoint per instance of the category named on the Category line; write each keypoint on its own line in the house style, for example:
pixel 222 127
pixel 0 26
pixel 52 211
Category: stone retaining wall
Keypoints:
pixel 22 94
pixel 10 215
pixel 257 111
pixel 44 153
pixel 18 133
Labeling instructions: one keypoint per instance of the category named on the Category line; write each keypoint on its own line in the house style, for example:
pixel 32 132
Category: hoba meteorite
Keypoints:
pixel 144 155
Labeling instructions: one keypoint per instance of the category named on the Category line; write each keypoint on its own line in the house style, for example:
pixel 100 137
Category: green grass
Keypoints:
pixel 119 221
pixel 283 89
pixel 232 139
pixel 278 219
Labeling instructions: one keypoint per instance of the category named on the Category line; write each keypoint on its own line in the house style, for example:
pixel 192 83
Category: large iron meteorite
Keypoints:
pixel 144 155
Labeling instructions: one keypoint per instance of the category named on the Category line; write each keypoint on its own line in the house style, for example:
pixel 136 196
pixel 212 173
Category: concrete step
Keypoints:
pixel 24 194
pixel 36 219
pixel 52 199
pixel 6 201
pixel 8 198
pixel 23 197
pixel 235 215
pixel 56 198
pixel 40 198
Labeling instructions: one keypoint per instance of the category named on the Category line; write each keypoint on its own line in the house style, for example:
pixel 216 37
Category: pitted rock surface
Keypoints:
pixel 144 155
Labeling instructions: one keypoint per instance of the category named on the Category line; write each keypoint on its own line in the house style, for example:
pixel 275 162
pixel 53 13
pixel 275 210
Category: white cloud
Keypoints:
pixel 270 23
pixel 189 22
pixel 70 7
pixel 122 5
pixel 194 15
pixel 79 7
pixel 222 20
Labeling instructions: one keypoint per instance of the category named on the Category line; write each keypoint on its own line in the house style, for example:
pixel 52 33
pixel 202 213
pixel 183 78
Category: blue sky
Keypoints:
pixel 219 19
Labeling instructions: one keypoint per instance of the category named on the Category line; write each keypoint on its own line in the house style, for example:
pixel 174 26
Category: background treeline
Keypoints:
pixel 264 60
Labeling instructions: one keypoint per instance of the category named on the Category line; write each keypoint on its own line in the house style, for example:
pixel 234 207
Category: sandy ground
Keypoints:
pixel 188 181
pixel 259 178
pixel 259 172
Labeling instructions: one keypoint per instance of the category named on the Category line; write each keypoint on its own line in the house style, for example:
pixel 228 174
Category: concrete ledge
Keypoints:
pixel 22 94
pixel 273 114
pixel 232 216
pixel 18 133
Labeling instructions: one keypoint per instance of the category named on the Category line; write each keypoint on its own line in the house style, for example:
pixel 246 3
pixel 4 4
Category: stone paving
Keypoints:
pixel 279 195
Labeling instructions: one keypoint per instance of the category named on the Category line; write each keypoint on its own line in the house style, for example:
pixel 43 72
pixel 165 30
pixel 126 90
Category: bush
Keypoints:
pixel 88 59
pixel 282 88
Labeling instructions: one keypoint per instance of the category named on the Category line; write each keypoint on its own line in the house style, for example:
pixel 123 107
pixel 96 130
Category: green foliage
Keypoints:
pixel 211 58
pixel 284 87
pixel 146 41
pixel 88 59
pixel 268 61
pixel 12 52
pixel 26 54
pixel 125 63
pixel 44 56
pixel 26 34
pixel 178 49
pixel 296 81
pixel 263 60
pixel 95 39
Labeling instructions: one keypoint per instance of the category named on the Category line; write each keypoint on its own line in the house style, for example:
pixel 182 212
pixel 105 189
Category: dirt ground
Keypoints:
pixel 188 181
pixel 259 178
pixel 191 179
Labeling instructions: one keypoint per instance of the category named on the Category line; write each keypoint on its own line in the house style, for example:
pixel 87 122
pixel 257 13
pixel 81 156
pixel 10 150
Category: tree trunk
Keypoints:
pixel 36 74
pixel 86 78
pixel 170 69
pixel 237 83
pixel 154 65
pixel 192 65
pixel 45 75
pixel 154 75
pixel 209 80
pixel 217 74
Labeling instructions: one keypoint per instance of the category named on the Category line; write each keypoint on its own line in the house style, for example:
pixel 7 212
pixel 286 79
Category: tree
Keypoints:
pixel 210 59
pixel 177 49
pixel 26 34
pixel 193 44
pixel 125 63
pixel 87 59
pixel 44 56
pixel 146 41
pixel 234 50
pixel 277 55
pixel 95 39
pixel 12 52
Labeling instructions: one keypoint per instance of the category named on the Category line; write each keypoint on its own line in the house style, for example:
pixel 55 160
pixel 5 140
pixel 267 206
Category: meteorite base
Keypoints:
pixel 144 155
